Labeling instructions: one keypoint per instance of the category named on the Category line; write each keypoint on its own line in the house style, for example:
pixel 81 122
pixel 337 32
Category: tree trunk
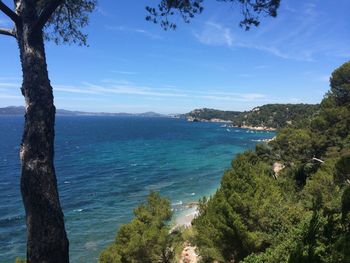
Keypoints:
pixel 46 236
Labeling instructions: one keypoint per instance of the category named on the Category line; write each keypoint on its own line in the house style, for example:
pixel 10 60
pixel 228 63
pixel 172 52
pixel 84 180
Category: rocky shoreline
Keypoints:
pixel 255 128
pixel 230 124
pixel 193 119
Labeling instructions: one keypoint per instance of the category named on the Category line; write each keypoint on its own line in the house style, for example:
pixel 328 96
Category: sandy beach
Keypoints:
pixel 185 217
pixel 188 254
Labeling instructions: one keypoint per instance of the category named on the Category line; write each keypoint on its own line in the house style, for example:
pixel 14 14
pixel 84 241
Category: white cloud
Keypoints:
pixel 9 84
pixel 117 81
pixel 88 88
pixel 215 34
pixel 303 35
pixel 71 89
pixel 134 30
pixel 123 72
pixel 132 90
pixel 7 96
pixel 230 96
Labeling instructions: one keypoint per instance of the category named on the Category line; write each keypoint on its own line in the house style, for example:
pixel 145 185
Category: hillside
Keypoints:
pixel 299 213
pixel 267 116
pixel 276 115
pixel 206 114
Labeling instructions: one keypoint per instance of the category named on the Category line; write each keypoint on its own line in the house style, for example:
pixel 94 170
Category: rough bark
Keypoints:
pixel 46 236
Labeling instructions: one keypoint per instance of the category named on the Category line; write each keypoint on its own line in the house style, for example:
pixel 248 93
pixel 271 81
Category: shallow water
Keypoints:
pixel 107 165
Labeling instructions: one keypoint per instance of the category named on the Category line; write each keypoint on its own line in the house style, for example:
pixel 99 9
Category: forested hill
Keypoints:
pixel 297 213
pixel 276 115
pixel 267 116
pixel 206 114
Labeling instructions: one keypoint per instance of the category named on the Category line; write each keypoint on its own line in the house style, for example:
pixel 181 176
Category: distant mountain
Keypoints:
pixel 269 116
pixel 19 110
pixel 12 110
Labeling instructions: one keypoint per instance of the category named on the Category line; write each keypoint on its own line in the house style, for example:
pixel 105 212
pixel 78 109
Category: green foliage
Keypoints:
pixel 110 255
pixel 247 214
pixel 277 115
pixel 294 146
pixel 65 25
pixel 321 191
pixel 188 9
pixel 269 116
pixel 343 244
pixel 146 238
pixel 345 208
pixel 208 114
pixel 20 260
pixel 301 216
pixel 308 249
pixel 342 169
pixel 340 84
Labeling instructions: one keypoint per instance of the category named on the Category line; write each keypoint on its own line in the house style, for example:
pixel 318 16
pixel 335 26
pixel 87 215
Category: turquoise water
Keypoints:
pixel 107 165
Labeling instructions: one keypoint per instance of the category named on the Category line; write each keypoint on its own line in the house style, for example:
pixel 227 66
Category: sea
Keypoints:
pixel 106 166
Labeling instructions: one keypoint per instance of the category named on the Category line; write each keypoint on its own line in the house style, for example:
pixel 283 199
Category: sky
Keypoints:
pixel 132 65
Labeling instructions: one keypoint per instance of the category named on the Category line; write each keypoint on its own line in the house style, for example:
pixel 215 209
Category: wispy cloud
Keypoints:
pixel 71 89
pixel 8 96
pixel 134 30
pixel 101 11
pixel 215 34
pixel 108 89
pixel 303 34
pixel 229 96
pixel 117 81
pixel 10 78
pixel 122 72
pixel 132 90
pixel 9 84
pixel 112 88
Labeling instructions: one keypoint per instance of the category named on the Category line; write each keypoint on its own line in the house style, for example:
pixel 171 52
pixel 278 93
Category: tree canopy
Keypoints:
pixel 146 238
pixel 188 9
pixel 300 215
pixel 63 21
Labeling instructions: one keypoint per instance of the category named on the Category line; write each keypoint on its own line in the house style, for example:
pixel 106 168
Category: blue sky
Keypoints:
pixel 134 66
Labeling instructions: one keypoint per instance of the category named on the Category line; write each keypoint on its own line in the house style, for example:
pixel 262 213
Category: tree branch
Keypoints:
pixel 8 32
pixel 46 13
pixel 7 11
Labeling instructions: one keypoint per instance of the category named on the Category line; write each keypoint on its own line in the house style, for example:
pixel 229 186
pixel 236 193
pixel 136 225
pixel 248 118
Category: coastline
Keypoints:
pixel 185 217
pixel 255 128
pixel 192 119
pixel 230 124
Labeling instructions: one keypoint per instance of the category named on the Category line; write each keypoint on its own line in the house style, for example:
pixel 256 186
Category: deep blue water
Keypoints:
pixel 107 165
